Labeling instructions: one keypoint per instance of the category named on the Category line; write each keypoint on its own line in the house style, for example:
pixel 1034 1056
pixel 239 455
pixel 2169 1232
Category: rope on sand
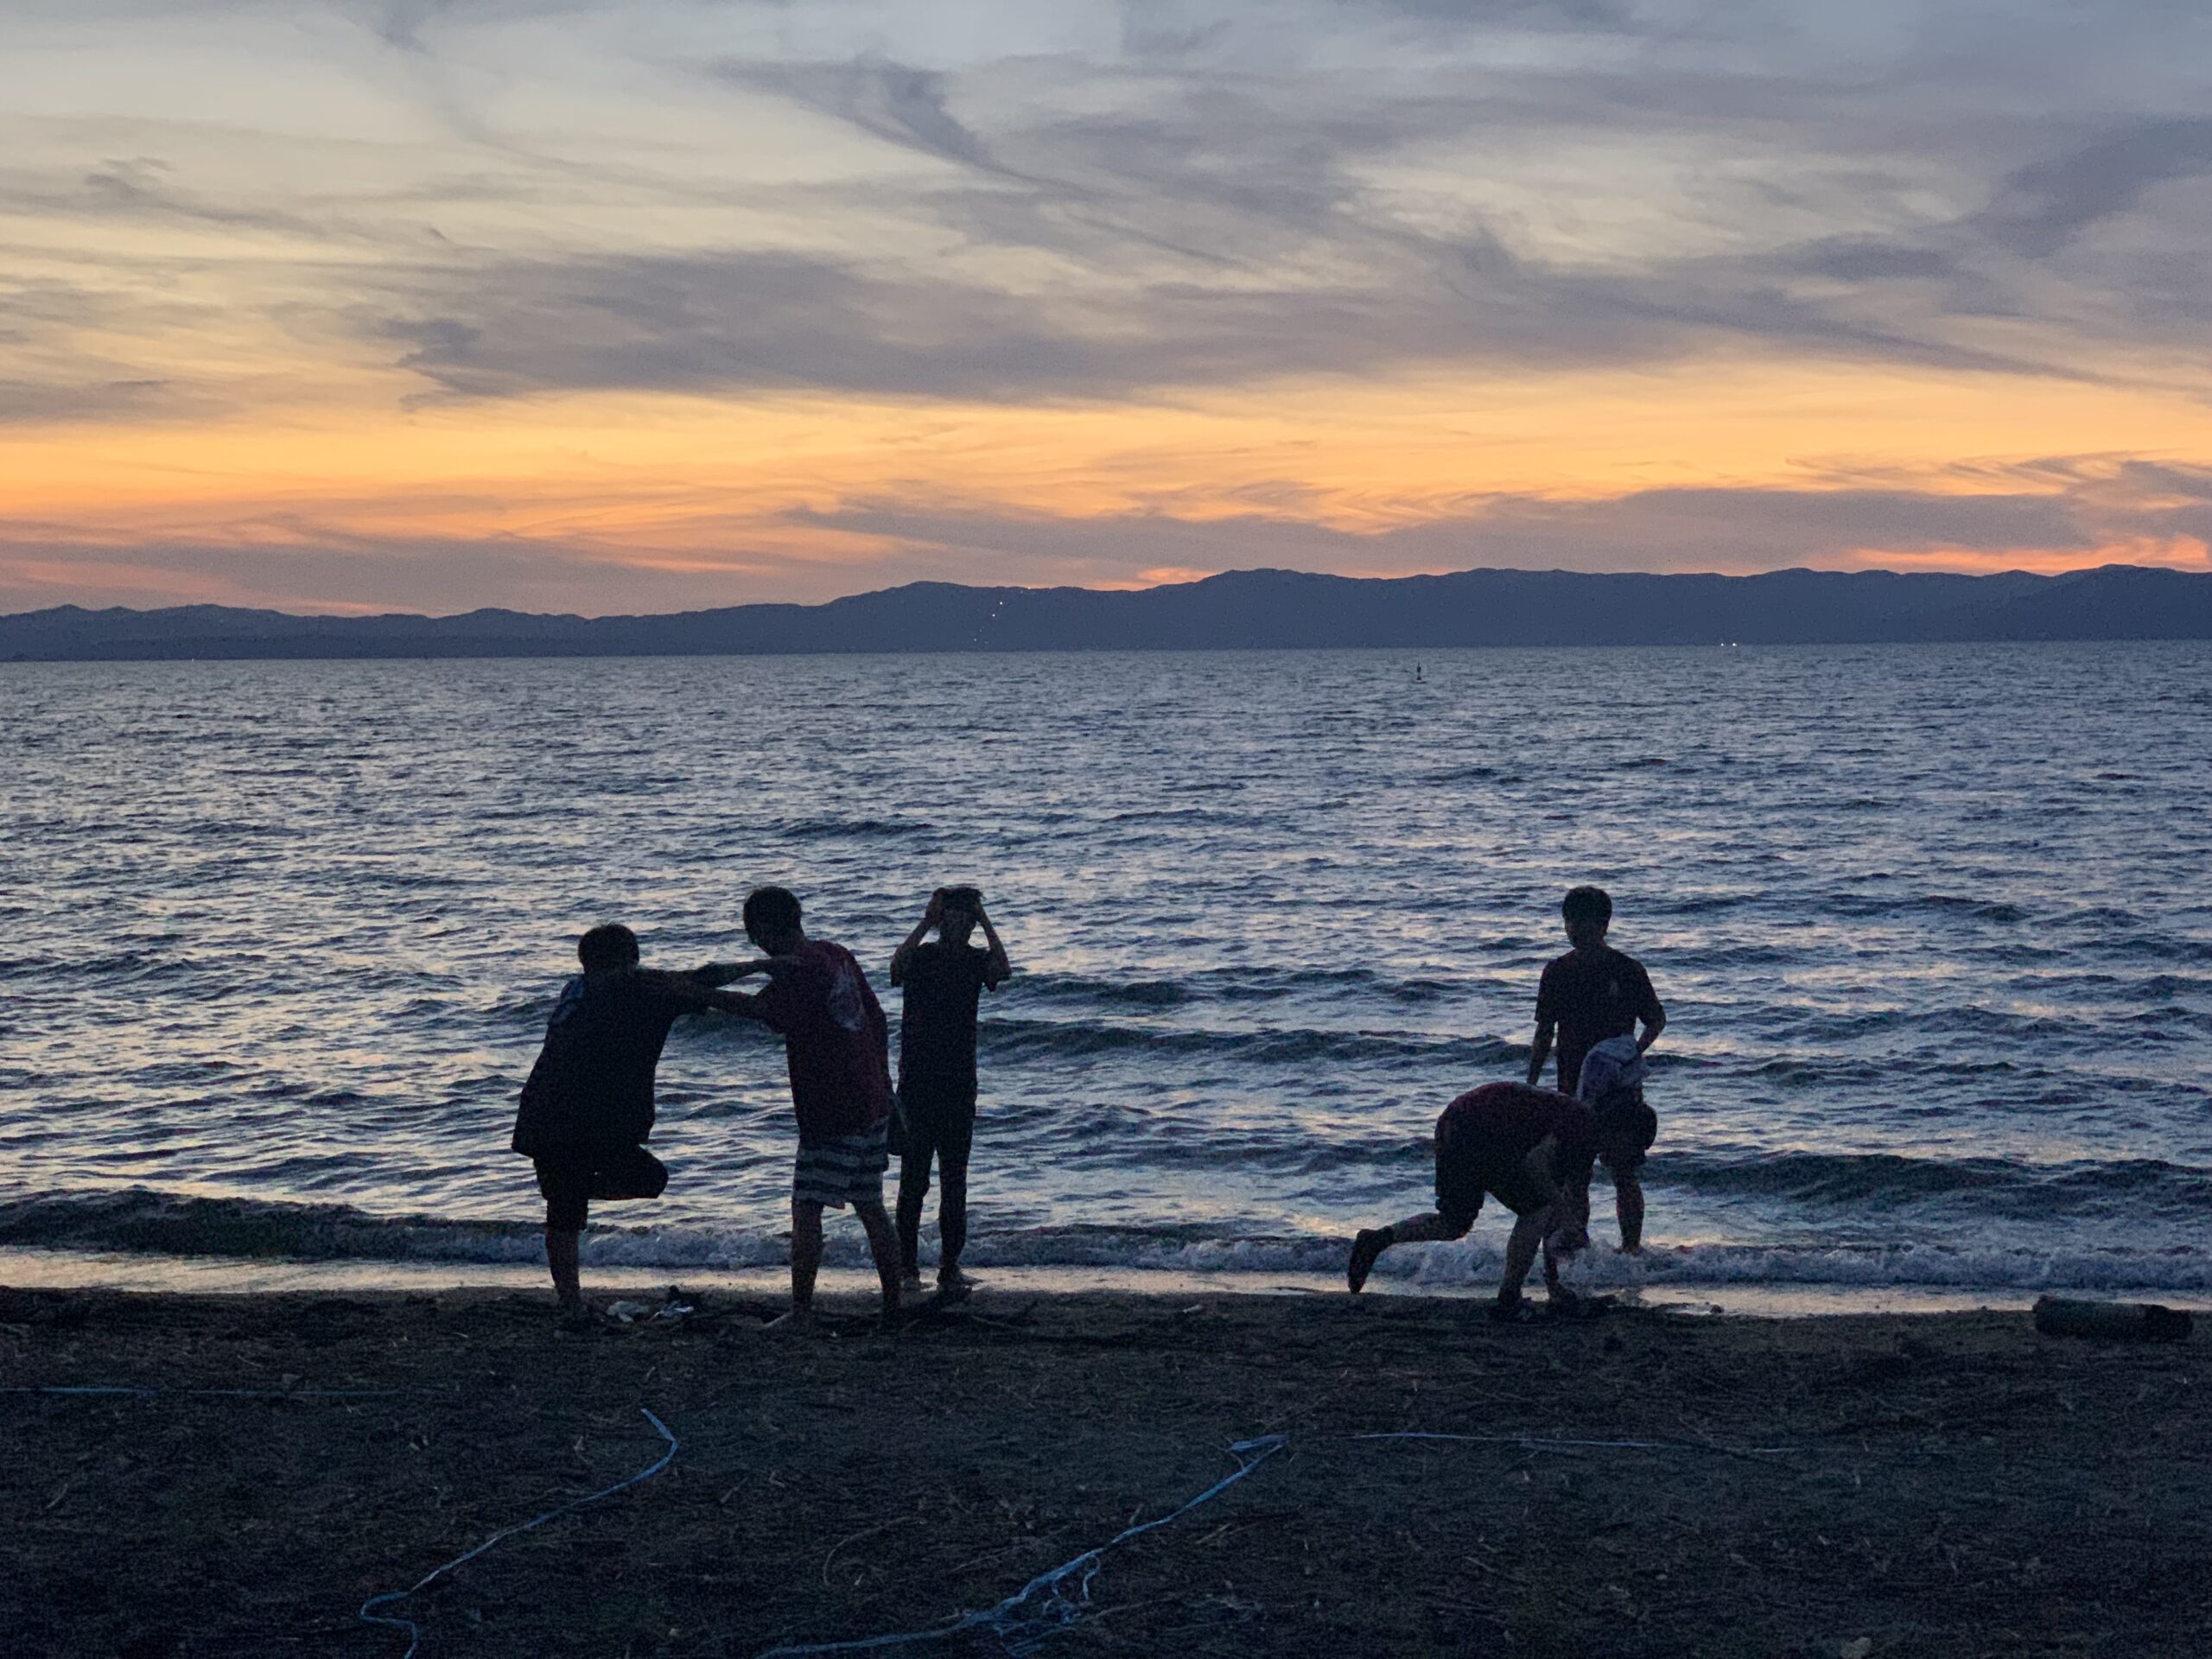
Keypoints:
pixel 1020 1628
pixel 1021 1622
pixel 1535 1442
pixel 1046 1603
pixel 81 1389
pixel 1543 1443
pixel 413 1632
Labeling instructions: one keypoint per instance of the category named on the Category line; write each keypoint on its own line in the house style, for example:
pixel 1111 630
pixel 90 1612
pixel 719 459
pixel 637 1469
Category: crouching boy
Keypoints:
pixel 1532 1150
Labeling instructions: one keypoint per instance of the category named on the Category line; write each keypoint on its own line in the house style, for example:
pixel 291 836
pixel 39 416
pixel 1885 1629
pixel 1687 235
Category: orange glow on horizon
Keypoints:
pixel 755 495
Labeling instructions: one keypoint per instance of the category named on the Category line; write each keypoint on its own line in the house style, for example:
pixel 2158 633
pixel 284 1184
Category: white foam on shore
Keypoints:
pixel 150 1236
pixel 221 1275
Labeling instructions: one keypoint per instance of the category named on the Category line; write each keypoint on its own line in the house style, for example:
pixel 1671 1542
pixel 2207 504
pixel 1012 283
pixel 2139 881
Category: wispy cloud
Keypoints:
pixel 1192 215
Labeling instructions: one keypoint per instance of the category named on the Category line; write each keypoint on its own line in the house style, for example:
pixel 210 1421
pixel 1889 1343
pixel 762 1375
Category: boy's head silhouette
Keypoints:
pixel 1588 913
pixel 957 910
pixel 608 945
pixel 771 919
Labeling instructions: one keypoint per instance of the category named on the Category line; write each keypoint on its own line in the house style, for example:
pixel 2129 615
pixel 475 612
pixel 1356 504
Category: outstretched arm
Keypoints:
pixel 998 969
pixel 1567 1203
pixel 688 992
pixel 1570 1217
pixel 727 973
pixel 1567 1236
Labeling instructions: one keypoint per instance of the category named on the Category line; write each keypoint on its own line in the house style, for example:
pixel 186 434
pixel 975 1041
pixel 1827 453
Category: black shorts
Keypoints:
pixel 1467 1170
pixel 935 1120
pixel 1626 1163
pixel 570 1183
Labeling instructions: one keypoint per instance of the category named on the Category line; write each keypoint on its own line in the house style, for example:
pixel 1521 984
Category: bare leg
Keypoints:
pixel 883 1245
pixel 1428 1227
pixel 951 1217
pixel 1521 1254
pixel 561 1257
pixel 914 1187
pixel 806 1252
pixel 1553 1289
pixel 1627 1204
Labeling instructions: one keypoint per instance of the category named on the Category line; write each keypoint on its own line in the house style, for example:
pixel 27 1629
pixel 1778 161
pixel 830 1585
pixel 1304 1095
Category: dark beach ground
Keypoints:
pixel 1950 1485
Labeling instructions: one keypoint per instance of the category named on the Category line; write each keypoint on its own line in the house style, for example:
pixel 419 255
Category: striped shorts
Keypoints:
pixel 849 1170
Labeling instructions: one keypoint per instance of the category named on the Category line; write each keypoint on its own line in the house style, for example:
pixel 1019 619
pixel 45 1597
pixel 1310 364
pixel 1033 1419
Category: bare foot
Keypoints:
pixel 954 1285
pixel 1370 1243
pixel 910 1281
pixel 799 1322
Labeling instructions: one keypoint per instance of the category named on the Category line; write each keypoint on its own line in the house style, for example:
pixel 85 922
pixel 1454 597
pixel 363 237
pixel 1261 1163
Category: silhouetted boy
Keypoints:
pixel 587 1107
pixel 836 1043
pixel 942 980
pixel 1530 1148
pixel 1591 993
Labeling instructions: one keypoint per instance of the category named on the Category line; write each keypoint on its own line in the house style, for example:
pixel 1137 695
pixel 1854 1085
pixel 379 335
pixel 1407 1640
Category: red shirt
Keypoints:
pixel 1501 1123
pixel 834 1037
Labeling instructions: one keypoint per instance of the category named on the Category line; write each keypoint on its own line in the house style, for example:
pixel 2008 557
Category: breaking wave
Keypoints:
pixel 141 1221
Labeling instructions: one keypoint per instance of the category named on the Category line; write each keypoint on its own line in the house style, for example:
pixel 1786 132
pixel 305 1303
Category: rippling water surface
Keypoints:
pixel 1933 924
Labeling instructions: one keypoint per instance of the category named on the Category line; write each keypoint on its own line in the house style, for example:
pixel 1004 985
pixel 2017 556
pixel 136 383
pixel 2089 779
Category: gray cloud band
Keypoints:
pixel 1202 201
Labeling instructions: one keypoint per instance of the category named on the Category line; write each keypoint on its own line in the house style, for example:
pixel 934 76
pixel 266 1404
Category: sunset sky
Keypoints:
pixel 431 304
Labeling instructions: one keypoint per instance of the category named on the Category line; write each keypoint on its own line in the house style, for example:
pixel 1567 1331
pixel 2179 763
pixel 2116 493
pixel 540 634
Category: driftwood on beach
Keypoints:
pixel 2059 1316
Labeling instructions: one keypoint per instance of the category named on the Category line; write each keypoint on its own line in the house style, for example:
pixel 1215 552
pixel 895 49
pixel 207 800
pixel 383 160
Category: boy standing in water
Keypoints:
pixel 1532 1149
pixel 943 982
pixel 587 1107
pixel 836 1043
pixel 1591 993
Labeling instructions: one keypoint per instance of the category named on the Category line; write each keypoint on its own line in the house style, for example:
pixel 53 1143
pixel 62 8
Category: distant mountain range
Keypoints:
pixel 1241 610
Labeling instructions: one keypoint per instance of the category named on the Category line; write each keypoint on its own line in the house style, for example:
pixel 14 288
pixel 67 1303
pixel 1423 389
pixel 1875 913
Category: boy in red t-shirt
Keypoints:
pixel 836 1042
pixel 1532 1149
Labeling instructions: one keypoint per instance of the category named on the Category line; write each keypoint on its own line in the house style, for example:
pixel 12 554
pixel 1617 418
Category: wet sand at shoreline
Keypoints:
pixel 1938 1483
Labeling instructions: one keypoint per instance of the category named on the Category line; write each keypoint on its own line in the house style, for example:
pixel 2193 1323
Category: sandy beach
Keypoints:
pixel 1942 1484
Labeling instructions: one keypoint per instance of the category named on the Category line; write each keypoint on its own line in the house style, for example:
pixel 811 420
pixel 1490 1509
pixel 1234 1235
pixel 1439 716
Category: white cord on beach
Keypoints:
pixel 1020 1632
pixel 1021 1622
pixel 415 1634
pixel 1542 1443
pixel 1538 1442
pixel 133 1391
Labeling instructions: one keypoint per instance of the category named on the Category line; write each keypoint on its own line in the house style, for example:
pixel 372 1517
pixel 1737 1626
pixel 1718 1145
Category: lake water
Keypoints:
pixel 1933 926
